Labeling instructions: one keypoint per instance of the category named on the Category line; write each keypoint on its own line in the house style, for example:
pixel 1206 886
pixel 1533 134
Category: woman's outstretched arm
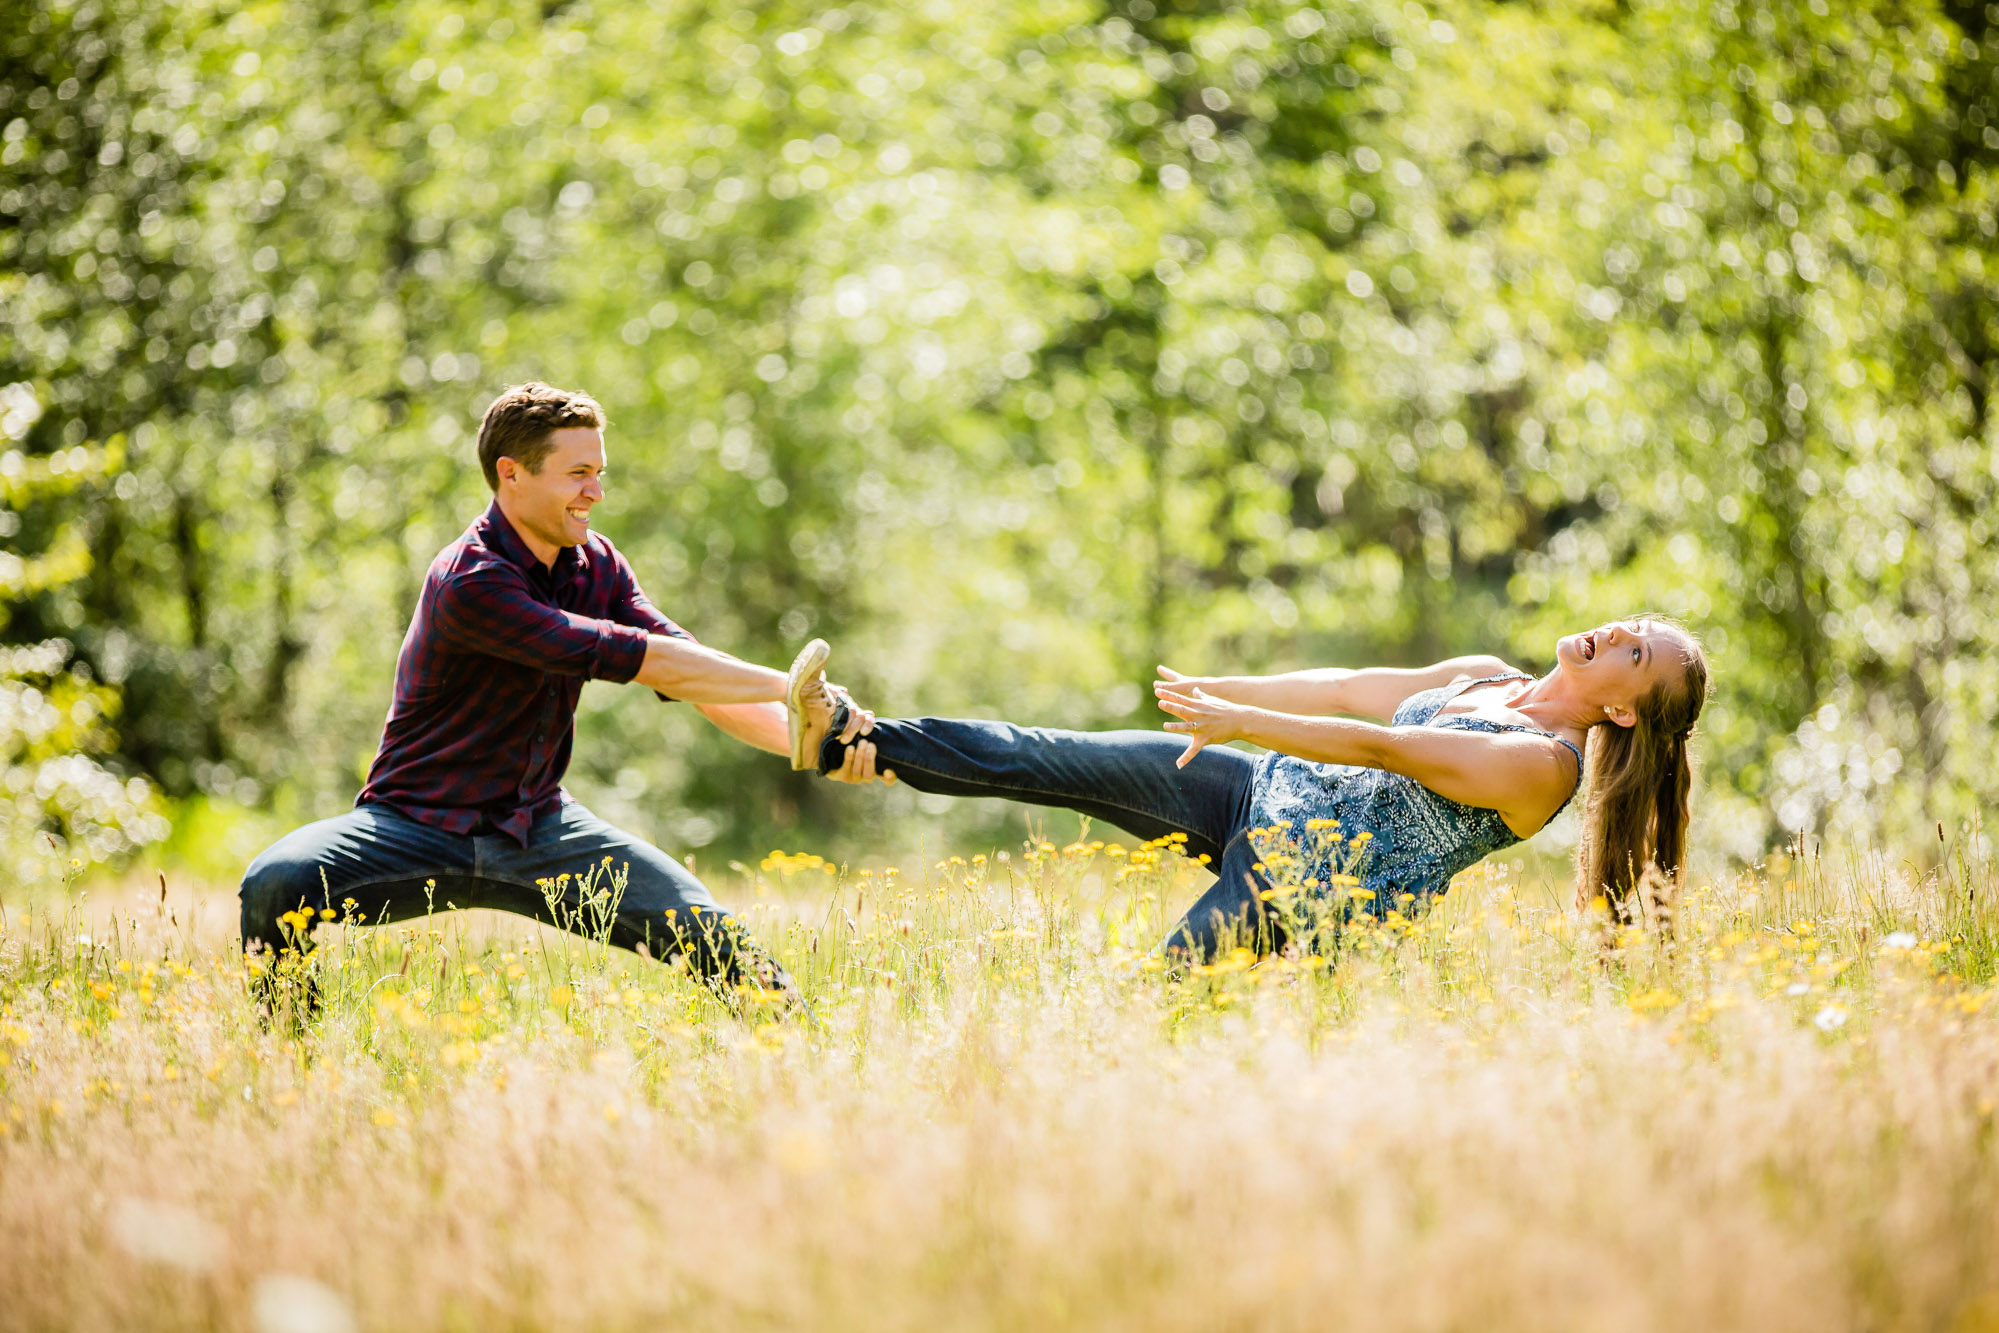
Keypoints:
pixel 1367 692
pixel 1523 776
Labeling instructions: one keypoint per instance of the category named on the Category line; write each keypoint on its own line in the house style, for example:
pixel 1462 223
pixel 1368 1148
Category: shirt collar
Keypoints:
pixel 496 530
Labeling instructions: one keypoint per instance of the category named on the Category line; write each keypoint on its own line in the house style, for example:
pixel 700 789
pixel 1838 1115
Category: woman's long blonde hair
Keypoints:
pixel 1635 816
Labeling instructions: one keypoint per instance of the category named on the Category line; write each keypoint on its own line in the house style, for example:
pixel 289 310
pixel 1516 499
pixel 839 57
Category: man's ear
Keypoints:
pixel 506 469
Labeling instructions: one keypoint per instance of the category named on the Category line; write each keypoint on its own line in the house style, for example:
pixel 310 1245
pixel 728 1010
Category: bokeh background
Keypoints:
pixel 1012 347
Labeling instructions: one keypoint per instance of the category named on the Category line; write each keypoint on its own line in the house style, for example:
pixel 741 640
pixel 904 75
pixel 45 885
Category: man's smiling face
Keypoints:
pixel 551 505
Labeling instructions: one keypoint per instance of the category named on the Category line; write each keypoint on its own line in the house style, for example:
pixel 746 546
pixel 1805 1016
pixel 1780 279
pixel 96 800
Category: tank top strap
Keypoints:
pixel 1423 708
pixel 1487 680
pixel 1575 750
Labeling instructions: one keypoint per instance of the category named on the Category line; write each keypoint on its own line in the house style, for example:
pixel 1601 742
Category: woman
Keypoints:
pixel 1475 756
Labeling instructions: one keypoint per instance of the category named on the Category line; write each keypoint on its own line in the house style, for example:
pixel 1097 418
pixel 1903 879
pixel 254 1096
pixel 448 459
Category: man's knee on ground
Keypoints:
pixel 274 888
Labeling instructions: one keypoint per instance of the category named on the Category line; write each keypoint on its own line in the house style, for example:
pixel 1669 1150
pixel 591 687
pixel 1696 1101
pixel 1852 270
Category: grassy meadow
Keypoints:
pixel 1006 1116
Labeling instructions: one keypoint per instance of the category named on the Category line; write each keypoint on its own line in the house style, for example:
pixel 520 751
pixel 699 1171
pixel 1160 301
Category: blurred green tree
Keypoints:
pixel 1017 349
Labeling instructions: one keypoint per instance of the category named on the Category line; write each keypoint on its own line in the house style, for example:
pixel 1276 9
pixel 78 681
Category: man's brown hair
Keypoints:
pixel 520 421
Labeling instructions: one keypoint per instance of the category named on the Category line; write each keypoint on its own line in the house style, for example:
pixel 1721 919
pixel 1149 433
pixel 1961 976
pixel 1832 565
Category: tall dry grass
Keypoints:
pixel 1007 1118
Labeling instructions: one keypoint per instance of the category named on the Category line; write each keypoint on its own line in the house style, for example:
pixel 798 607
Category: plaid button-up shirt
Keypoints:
pixel 484 714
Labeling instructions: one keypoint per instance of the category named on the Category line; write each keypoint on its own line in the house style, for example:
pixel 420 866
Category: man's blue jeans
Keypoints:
pixel 1126 778
pixel 385 864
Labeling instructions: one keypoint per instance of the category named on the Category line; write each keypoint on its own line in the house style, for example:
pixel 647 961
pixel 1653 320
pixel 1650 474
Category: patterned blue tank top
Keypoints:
pixel 1416 840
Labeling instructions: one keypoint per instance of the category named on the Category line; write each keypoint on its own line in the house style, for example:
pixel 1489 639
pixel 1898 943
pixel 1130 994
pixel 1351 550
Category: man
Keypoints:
pixel 464 805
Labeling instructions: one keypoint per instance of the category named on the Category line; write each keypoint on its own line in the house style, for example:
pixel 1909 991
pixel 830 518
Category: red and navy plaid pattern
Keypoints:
pixel 484 715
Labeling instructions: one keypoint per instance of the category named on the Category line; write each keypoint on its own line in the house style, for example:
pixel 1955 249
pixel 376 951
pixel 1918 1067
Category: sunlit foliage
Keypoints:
pixel 1017 348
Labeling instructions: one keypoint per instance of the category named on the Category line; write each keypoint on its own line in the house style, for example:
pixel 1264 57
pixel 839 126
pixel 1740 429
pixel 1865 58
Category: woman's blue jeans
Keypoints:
pixel 1126 778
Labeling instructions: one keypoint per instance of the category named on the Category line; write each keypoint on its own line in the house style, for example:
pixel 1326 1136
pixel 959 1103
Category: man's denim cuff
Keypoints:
pixel 832 754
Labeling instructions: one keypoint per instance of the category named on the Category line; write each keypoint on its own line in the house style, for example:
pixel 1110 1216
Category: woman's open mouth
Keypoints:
pixel 1589 646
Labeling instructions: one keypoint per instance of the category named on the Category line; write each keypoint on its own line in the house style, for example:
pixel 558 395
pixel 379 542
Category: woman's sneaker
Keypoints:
pixel 806 701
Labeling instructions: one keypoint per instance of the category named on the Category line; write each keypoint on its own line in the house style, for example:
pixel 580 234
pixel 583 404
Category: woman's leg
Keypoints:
pixel 1232 913
pixel 1126 778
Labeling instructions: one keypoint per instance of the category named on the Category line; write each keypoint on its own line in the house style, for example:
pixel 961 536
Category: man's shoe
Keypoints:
pixel 768 983
pixel 285 991
pixel 804 695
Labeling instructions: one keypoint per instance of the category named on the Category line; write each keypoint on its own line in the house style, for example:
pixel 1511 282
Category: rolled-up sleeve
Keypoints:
pixel 491 611
pixel 630 605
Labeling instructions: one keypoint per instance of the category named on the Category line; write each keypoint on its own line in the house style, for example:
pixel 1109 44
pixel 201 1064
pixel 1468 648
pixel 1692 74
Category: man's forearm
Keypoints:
pixel 697 674
pixel 759 725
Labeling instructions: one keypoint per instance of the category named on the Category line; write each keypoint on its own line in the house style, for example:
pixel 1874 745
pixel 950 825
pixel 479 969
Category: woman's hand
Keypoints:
pixel 1204 719
pixel 1175 681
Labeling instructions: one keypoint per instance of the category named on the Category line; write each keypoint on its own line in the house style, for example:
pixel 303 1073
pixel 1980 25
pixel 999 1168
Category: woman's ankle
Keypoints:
pixel 832 750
